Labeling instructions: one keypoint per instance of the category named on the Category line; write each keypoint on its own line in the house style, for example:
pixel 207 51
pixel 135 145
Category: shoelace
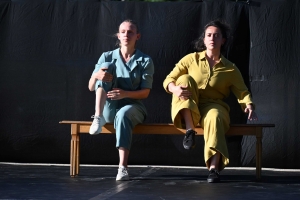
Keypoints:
pixel 124 171
pixel 95 117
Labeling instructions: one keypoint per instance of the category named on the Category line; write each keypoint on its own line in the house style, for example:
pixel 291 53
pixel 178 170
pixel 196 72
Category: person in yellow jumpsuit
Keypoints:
pixel 199 83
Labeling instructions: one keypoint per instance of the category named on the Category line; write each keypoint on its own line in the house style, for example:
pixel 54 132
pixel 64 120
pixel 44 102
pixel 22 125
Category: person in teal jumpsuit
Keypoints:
pixel 121 79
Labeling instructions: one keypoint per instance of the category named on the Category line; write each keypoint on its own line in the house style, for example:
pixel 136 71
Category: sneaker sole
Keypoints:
pixel 213 180
pixel 189 148
pixel 122 179
pixel 96 133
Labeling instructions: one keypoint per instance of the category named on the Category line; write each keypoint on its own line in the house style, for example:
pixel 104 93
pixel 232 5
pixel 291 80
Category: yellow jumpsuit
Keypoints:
pixel 209 88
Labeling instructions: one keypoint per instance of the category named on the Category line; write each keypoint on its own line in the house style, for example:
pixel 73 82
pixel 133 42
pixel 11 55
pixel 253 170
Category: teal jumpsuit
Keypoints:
pixel 136 74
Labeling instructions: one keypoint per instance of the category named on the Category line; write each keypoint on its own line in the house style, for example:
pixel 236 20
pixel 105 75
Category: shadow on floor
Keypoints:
pixel 98 182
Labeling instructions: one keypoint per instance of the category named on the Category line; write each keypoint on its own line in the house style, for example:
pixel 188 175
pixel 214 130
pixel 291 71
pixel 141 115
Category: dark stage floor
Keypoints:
pixel 34 181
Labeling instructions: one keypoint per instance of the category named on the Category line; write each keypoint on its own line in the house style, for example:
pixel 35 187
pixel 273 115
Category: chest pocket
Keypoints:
pixel 136 76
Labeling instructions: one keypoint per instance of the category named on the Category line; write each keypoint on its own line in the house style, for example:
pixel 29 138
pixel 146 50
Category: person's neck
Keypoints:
pixel 213 55
pixel 127 52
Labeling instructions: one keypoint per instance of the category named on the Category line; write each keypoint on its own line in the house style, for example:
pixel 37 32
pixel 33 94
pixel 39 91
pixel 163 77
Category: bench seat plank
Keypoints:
pixel 168 129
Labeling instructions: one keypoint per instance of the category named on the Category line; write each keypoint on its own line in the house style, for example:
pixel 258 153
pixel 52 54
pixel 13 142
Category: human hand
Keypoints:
pixel 116 94
pixel 251 114
pixel 182 92
pixel 104 76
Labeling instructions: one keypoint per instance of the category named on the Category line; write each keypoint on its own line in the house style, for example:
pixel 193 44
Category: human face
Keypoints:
pixel 213 38
pixel 128 34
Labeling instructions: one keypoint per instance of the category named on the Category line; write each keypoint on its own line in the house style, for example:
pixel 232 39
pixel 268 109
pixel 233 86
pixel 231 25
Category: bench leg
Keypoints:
pixel 74 152
pixel 77 154
pixel 258 152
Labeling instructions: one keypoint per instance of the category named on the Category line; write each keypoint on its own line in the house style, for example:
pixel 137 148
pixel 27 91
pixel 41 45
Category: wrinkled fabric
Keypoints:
pixel 136 74
pixel 208 87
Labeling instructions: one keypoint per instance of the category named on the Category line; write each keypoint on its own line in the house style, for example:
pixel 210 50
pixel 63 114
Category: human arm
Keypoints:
pixel 251 113
pixel 243 95
pixel 117 93
pixel 141 84
pixel 180 69
pixel 101 75
pixel 180 91
pixel 92 83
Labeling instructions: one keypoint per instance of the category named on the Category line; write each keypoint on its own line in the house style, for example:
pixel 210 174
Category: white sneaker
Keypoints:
pixel 97 124
pixel 122 174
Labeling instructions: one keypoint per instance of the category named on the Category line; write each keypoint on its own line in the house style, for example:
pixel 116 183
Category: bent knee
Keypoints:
pixel 185 78
pixel 110 67
pixel 107 65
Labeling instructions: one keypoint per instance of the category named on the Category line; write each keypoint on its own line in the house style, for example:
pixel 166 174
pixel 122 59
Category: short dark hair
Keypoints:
pixel 225 31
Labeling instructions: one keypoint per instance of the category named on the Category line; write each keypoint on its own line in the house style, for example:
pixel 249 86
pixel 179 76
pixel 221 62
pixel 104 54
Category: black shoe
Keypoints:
pixel 189 139
pixel 213 176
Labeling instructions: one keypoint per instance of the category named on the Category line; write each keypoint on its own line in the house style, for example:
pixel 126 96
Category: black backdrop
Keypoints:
pixel 48 50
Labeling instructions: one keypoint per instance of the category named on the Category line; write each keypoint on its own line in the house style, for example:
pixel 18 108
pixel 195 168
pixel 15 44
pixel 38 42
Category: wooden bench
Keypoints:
pixel 78 127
